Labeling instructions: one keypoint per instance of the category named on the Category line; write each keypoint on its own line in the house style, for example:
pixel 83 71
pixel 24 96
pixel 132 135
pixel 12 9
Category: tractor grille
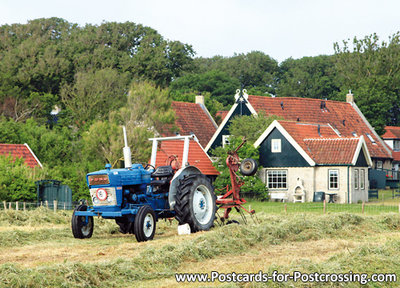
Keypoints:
pixel 111 197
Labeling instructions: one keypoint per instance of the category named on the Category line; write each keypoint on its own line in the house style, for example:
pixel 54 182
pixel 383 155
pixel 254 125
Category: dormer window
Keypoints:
pixel 354 134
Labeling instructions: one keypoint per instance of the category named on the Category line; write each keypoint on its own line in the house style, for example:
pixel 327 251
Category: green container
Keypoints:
pixel 50 190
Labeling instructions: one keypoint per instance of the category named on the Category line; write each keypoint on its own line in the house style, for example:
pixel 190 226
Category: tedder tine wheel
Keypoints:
pixel 248 167
pixel 195 202
pixel 82 228
pixel 145 224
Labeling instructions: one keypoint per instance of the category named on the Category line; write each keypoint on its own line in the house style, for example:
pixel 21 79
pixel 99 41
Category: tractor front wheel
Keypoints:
pixel 195 202
pixel 82 227
pixel 144 226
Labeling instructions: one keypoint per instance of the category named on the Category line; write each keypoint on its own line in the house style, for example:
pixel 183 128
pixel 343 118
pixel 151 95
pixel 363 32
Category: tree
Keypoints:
pixel 102 143
pixel 310 77
pixel 53 56
pixel 251 127
pixel 254 71
pixel 94 95
pixel 147 113
pixel 371 70
pixel 218 84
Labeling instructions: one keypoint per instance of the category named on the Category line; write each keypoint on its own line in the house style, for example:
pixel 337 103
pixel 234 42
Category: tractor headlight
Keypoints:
pixel 103 196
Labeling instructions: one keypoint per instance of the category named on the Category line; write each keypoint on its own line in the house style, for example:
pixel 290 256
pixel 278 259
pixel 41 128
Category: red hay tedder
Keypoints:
pixel 231 199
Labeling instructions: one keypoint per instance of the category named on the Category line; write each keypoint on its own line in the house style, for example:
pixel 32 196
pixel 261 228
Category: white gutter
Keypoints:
pixel 33 154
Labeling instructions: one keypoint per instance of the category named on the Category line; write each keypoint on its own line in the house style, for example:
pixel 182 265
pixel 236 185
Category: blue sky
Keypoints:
pixel 281 29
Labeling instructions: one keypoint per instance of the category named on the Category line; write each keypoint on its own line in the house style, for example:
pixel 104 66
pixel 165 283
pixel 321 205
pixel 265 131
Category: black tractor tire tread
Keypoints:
pixel 76 224
pixel 182 202
pixel 138 224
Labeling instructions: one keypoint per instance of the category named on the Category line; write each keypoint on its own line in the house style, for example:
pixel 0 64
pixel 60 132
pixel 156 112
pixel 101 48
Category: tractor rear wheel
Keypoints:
pixel 145 224
pixel 195 202
pixel 125 225
pixel 81 229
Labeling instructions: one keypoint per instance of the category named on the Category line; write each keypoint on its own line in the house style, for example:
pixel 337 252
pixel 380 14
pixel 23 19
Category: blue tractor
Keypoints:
pixel 137 196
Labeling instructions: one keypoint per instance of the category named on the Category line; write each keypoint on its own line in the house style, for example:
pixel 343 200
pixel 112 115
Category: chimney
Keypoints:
pixel 350 97
pixel 200 99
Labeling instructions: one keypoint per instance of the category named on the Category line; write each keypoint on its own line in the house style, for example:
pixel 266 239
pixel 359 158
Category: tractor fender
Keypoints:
pixel 188 170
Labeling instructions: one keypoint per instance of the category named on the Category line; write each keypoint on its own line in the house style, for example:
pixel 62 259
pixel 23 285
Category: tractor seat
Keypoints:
pixel 162 171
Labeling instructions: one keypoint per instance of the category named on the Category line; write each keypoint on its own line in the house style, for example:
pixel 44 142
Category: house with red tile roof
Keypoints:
pixel 193 118
pixel 302 158
pixel 345 118
pixel 196 157
pixel 21 151
pixel 392 139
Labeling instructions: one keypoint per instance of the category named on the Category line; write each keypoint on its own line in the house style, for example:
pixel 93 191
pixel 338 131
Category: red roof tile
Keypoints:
pixel 325 147
pixel 222 114
pixel 392 132
pixel 191 118
pixel 197 157
pixel 20 151
pixel 396 156
pixel 340 115
pixel 332 151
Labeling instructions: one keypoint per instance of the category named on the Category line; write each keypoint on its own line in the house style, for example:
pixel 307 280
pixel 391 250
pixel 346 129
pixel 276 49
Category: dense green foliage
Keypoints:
pixel 113 74
pixel 17 181
pixel 372 70
pixel 251 127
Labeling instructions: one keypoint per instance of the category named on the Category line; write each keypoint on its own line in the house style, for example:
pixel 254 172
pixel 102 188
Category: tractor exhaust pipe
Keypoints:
pixel 127 151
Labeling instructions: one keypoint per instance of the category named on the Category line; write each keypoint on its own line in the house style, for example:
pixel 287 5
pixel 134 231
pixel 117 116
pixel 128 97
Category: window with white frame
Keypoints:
pixel 276 179
pixel 362 179
pixel 225 140
pixel 379 164
pixel 276 146
pixel 396 145
pixel 333 179
pixel 356 179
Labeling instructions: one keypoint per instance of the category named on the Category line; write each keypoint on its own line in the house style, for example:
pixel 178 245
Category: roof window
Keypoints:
pixel 370 138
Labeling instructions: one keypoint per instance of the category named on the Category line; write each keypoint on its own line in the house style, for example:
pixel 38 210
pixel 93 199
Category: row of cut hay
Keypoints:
pixel 160 262
pixel 34 217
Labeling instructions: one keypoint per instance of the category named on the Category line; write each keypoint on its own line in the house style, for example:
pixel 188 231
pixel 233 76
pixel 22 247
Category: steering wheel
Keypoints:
pixel 149 165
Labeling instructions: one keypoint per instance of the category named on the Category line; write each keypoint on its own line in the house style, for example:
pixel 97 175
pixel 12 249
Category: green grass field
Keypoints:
pixel 38 250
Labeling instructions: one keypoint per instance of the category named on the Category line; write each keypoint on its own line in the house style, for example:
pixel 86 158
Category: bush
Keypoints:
pixel 17 180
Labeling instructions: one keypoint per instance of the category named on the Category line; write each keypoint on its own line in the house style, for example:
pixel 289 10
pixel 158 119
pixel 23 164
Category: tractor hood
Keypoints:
pixel 119 177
